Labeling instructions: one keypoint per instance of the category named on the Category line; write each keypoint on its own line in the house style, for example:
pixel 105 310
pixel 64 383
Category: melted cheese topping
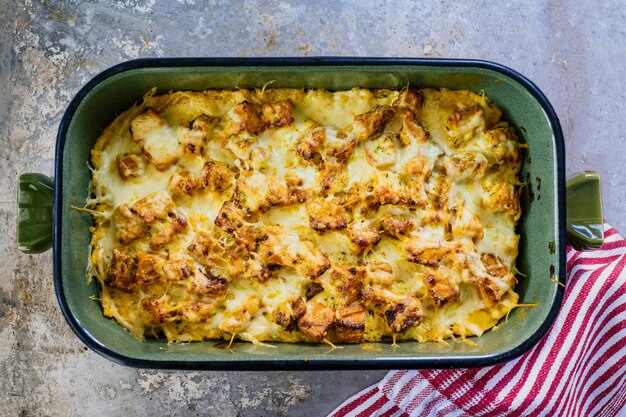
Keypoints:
pixel 292 215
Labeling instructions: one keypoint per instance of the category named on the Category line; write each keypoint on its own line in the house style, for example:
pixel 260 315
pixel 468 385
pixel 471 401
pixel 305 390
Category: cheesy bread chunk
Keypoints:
pixel 307 215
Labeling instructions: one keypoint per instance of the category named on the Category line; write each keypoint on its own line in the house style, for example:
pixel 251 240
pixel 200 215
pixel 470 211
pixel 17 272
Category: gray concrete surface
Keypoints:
pixel 573 50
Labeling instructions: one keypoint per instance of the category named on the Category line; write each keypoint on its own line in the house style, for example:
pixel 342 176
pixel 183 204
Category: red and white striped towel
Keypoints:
pixel 577 369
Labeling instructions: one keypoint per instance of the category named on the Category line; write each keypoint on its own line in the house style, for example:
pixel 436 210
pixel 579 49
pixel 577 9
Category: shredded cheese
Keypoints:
pixel 306 216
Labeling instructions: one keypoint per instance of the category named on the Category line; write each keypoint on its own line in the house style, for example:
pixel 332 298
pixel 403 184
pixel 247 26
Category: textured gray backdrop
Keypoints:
pixel 574 51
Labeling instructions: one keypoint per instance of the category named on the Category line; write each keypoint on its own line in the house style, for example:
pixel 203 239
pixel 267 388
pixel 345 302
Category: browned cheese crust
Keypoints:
pixel 307 215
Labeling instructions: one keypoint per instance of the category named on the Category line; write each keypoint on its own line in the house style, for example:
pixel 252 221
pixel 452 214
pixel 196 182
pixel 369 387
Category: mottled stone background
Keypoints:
pixel 574 50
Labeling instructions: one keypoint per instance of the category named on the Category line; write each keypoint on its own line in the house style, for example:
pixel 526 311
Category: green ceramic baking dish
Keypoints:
pixel 46 218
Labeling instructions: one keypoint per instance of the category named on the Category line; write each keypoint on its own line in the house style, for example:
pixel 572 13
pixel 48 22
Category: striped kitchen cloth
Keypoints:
pixel 577 369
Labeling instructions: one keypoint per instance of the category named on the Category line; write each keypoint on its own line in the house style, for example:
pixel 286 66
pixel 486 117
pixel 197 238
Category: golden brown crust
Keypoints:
pixel 216 176
pixel 145 122
pixel 177 267
pixel 149 267
pixel 497 268
pixel 416 167
pixel 208 284
pixel 410 100
pixel 196 311
pixel 405 313
pixel 387 189
pixel 430 253
pixel 258 192
pixel 309 143
pixel 333 178
pixel 501 196
pixel 312 289
pixel 494 265
pixel 487 289
pixel 207 250
pixel 368 124
pixel 157 310
pixel 350 323
pixel 278 114
pixel 230 217
pixel 245 118
pixel 412 131
pixel 154 206
pixel 363 236
pixel 161 310
pixel 462 124
pixel 348 280
pixel 397 226
pixel 440 287
pixel 182 183
pixel 310 261
pixel 327 214
pixel 275 246
pixel 129 226
pixel 194 137
pixel 316 321
pixel 121 274
pixel 342 147
pixel 501 145
pixel 289 312
pixel 465 165
pixel 163 233
pixel 130 165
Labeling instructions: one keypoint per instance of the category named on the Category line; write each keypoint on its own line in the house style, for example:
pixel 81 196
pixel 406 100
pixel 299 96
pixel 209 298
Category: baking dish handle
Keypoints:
pixel 35 200
pixel 585 224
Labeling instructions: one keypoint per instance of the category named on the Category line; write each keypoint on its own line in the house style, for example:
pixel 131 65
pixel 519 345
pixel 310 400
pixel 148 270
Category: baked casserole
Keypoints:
pixel 306 215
